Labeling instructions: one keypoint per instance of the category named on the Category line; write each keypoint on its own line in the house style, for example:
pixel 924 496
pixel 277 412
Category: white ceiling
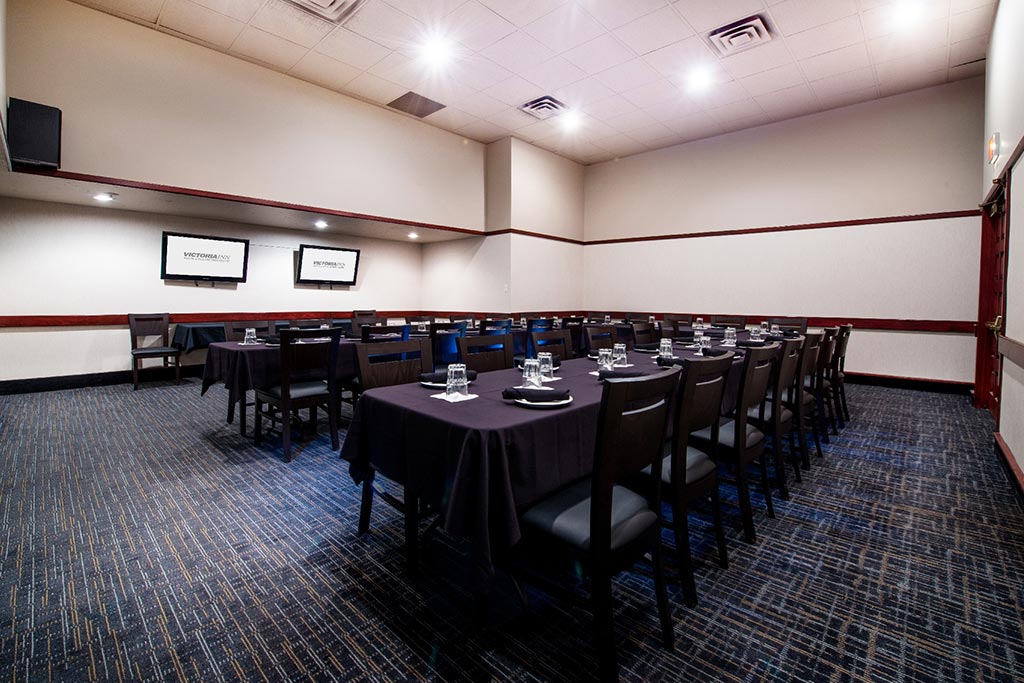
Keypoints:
pixel 621 63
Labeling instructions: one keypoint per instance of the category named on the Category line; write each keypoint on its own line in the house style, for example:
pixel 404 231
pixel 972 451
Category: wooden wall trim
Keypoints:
pixel 1012 349
pixel 926 380
pixel 895 324
pixel 788 228
pixel 1010 461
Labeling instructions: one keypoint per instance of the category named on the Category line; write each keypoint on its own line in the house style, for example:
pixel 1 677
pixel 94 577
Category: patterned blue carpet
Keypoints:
pixel 142 539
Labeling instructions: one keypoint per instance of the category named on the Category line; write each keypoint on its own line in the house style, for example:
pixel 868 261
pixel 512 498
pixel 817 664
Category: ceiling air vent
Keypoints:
pixel 543 107
pixel 415 104
pixel 338 11
pixel 740 35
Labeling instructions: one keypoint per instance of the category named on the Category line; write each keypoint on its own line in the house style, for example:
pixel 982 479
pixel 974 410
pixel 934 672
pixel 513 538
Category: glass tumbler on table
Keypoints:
pixel 705 343
pixel 698 324
pixel 607 319
pixel 698 337
pixel 776 330
pixel 730 336
pixel 619 354
pixel 250 335
pixel 531 373
pixel 764 327
pixel 665 349
pixel 547 366
pixel 457 384
pixel 605 360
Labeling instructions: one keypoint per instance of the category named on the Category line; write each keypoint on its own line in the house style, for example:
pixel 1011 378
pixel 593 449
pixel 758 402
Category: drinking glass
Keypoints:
pixel 607 319
pixel 605 359
pixel 730 336
pixel 764 327
pixel 250 335
pixel 325 326
pixel 698 337
pixel 755 332
pixel 457 384
pixel 422 327
pixel 665 350
pixel 705 343
pixel 775 329
pixel 547 366
pixel 650 319
pixel 531 373
pixel 619 354
pixel 698 324
pixel 522 322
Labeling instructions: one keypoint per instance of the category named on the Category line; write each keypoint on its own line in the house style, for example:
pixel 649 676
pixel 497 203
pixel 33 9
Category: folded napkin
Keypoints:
pixel 653 346
pixel 442 377
pixel 774 337
pixel 556 361
pixel 750 343
pixel 619 374
pixel 535 395
pixel 712 352
pixel 273 339
pixel 669 362
pixel 715 333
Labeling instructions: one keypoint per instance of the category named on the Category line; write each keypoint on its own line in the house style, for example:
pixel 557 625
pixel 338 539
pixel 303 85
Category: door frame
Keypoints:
pixel 994 220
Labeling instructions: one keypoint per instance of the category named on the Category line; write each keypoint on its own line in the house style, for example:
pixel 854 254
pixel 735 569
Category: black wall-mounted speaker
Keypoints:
pixel 33 134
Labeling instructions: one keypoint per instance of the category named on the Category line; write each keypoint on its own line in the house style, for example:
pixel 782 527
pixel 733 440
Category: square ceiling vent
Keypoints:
pixel 543 107
pixel 338 11
pixel 740 35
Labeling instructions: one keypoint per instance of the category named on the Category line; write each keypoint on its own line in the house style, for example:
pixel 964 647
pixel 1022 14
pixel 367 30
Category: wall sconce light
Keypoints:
pixel 993 148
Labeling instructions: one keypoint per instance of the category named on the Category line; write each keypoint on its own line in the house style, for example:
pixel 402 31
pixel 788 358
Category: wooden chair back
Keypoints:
pixel 486 352
pixel 383 364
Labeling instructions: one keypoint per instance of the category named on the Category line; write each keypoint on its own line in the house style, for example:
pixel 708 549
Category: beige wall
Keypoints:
pixel 547 192
pixel 3 74
pixel 1004 96
pixel 143 105
pixel 499 184
pixel 70 260
pixel 907 154
pixel 547 276
pixel 468 275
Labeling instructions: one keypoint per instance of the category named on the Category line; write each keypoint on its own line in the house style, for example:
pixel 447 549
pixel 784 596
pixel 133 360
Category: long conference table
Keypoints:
pixel 486 459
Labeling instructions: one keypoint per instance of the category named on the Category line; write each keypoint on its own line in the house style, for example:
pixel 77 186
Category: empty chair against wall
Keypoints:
pixel 486 352
pixel 600 337
pixel 556 342
pixel 309 323
pixel 365 313
pixel 798 324
pixel 737 321
pixel 644 335
pixel 235 330
pixel 141 325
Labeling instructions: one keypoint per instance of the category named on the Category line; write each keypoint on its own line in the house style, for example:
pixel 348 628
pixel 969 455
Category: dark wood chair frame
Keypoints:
pixel 557 342
pixel 600 337
pixel 309 323
pixel 367 333
pixel 737 321
pixel 770 416
pixel 478 353
pixel 152 325
pixel 798 324
pixel 644 333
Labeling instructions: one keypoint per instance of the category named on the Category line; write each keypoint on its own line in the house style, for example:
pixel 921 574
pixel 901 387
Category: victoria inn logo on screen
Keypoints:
pixel 206 257
pixel 340 265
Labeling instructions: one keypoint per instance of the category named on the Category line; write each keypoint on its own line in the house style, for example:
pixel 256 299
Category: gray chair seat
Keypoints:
pixel 727 435
pixel 302 390
pixel 698 466
pixel 754 413
pixel 155 351
pixel 826 384
pixel 808 397
pixel 566 515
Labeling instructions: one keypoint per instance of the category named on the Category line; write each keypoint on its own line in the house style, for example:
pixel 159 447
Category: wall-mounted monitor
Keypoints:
pixel 326 265
pixel 199 257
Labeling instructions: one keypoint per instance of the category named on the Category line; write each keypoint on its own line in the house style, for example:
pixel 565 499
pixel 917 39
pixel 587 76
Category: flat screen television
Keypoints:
pixel 200 257
pixel 326 265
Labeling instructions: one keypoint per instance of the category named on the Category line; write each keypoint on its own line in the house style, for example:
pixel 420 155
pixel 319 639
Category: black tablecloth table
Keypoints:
pixel 487 458
pixel 191 336
pixel 244 367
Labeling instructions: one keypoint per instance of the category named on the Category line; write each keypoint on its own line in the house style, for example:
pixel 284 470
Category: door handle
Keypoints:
pixel 995 325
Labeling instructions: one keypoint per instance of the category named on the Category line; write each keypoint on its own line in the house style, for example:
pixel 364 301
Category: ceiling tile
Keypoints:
pixel 610 107
pixel 758 59
pixel 615 13
pixel 450 118
pixel 538 130
pixel 976 22
pixel 845 99
pixel 911 66
pixel 825 38
pixel 476 72
pixel 242 10
pixel 353 49
pixel 721 94
pixel 628 74
pixel 322 70
pixel 968 70
pixel 652 93
pixel 697 126
pixel 517 52
pixel 565 28
pixel 794 16
pixel 745 122
pixel 147 10
pixel 653 31
pixel 268 49
pixel 895 83
pixel 511 118
pixel 480 105
pixel 577 95
pixel 554 73
pixel 797 100
pixel 882 21
pixel 374 88
pixel 483 131
pixel 649 133
pixel 740 109
pixel 677 108
pixel 858 79
pixel 894 45
pixel 430 12
pixel 969 50
pixel 704 16
pixel 515 91
pixel 384 24
pixel 836 62
pixel 599 54
pixel 401 69
pixel 476 26
pixel 619 143
pixel 199 22
pixel 778 78
pixel 522 12
pixel 673 60
pixel 957 6
pixel 443 90
pixel 291 23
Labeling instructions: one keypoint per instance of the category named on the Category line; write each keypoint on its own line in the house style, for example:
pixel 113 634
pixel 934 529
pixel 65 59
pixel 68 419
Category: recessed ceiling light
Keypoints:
pixel 105 196
pixel 414 236
pixel 436 51
pixel 699 78
pixel 321 224
pixel 905 13
pixel 570 119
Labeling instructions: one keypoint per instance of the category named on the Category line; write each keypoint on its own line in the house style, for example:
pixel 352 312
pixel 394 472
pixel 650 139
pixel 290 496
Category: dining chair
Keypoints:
pixel 536 325
pixel 309 323
pixel 442 337
pixel 644 333
pixel 637 318
pixel 377 369
pixel 597 317
pixel 464 318
pixel 358 323
pixel 798 324
pixel 740 444
pixel 689 475
pixel 417 319
pixel 503 326
pixel 679 318
pixel 823 395
pixel 575 326
pixel 384 333
pixel 838 377
pixel 235 330
pixel 737 321
pixel 486 352
pixel 365 313
pixel 600 337
pixel 307 379
pixel 773 417
pixel 598 525
pixel 556 342
pixel 800 399
pixel 142 325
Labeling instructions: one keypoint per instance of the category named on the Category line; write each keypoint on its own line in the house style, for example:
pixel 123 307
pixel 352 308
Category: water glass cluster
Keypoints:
pixel 619 355
pixel 547 366
pixel 457 383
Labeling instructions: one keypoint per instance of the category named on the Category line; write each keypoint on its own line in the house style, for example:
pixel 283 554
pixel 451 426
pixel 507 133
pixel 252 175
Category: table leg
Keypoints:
pixel 412 519
pixel 241 414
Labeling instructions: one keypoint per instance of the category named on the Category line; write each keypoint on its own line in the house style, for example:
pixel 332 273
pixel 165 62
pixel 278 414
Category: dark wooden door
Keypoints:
pixel 991 302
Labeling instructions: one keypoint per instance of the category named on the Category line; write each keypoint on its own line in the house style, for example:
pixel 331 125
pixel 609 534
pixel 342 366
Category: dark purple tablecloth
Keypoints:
pixel 488 458
pixel 243 367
